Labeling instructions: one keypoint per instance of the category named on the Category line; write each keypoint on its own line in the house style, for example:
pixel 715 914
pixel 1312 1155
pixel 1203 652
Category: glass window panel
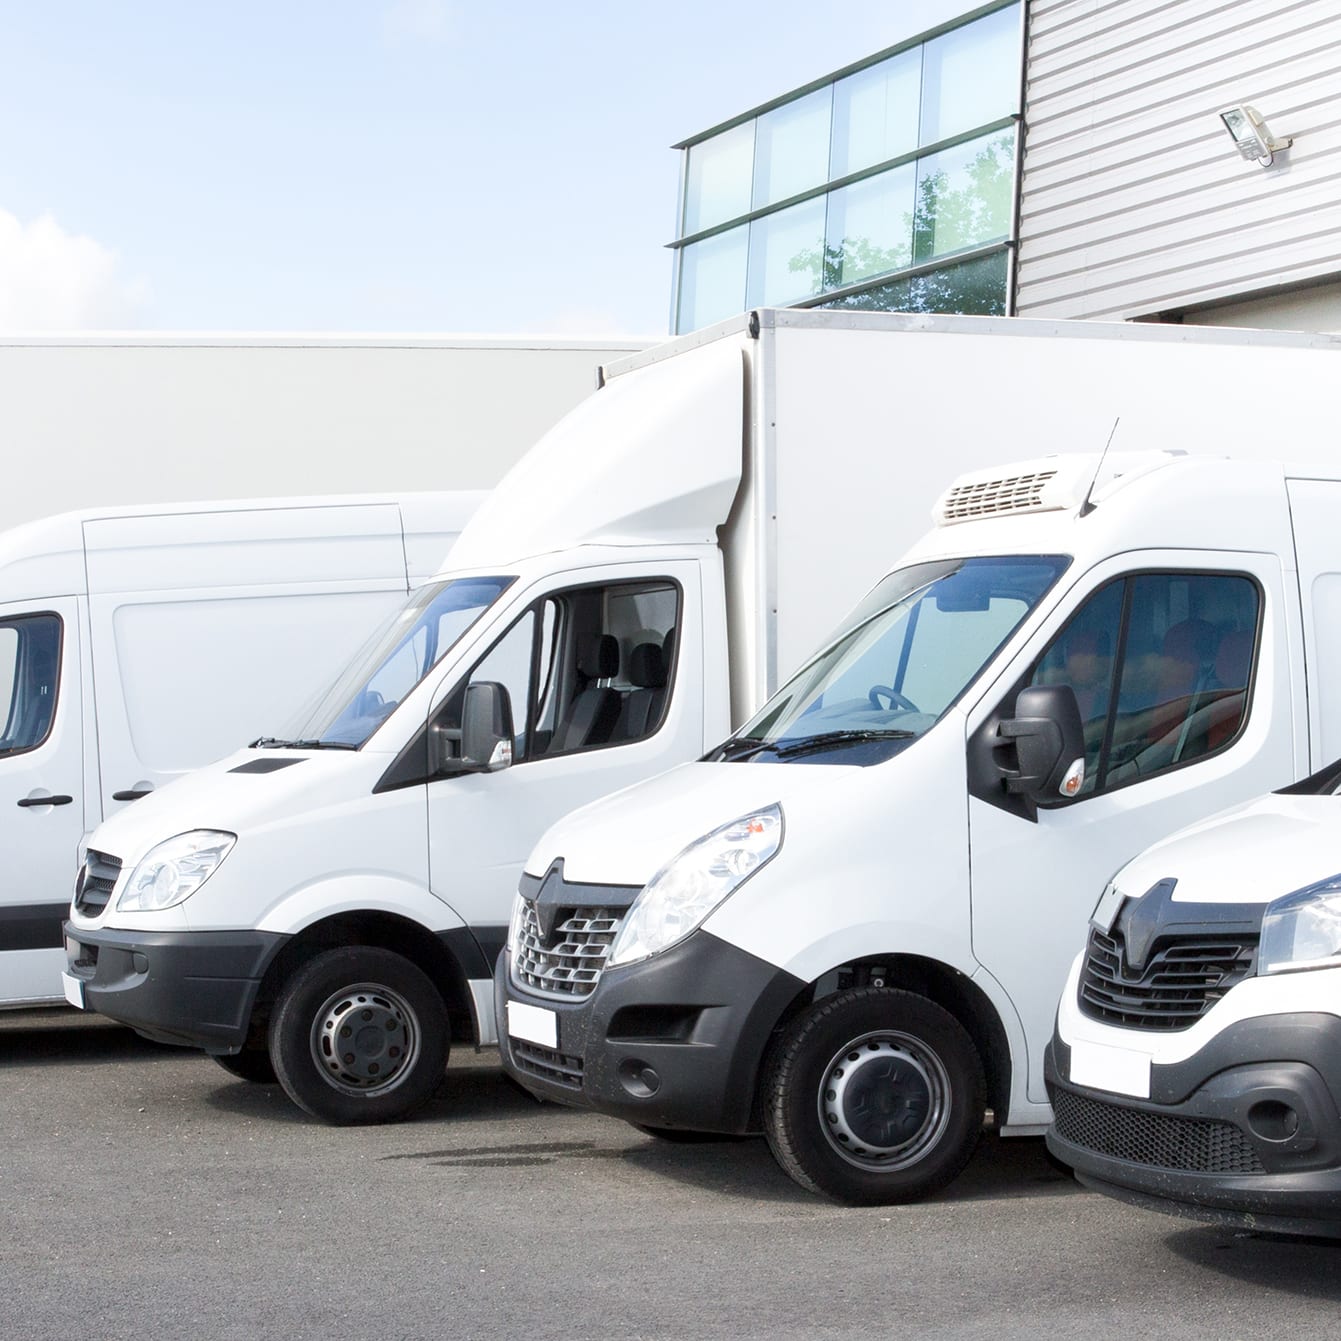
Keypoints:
pixel 717 178
pixel 964 196
pixel 972 288
pixel 786 254
pixel 875 113
pixel 870 228
pixel 30 649
pixel 712 279
pixel 971 76
pixel 791 152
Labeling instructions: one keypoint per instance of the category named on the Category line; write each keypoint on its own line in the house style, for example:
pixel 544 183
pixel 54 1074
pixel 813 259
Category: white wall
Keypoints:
pixel 1135 200
pixel 92 421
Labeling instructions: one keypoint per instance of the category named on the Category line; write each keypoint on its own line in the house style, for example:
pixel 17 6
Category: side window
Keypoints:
pixel 1161 664
pixel 29 667
pixel 584 669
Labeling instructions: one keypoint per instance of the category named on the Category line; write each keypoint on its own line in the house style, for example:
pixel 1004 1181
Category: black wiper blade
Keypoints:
pixel 826 739
pixel 739 747
pixel 274 743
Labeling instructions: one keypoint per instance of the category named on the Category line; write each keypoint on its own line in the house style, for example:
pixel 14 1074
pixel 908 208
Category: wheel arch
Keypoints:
pixel 938 982
pixel 438 955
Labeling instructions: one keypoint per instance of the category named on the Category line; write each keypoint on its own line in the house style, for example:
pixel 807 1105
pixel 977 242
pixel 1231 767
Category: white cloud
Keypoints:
pixel 54 280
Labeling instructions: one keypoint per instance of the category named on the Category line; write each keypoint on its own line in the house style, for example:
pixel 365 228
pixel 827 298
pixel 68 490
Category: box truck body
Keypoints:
pixel 637 586
pixel 137 644
pixel 141 417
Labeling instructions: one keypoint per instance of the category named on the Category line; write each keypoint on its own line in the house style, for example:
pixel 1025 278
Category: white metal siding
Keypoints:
pixel 1134 200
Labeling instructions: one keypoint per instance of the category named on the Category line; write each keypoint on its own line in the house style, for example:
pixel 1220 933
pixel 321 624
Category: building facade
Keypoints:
pixel 890 184
pixel 1041 158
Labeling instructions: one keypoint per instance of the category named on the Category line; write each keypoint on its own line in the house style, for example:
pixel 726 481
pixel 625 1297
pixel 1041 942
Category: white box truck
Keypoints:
pixel 848 925
pixel 138 417
pixel 136 644
pixel 632 590
pixel 1195 1067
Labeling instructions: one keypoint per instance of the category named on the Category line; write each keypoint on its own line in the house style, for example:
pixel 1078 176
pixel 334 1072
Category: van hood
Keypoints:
pixel 237 794
pixel 1251 854
pixel 624 839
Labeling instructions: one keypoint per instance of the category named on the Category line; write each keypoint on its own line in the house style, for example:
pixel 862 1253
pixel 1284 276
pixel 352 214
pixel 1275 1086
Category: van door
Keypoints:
pixel 1183 672
pixel 41 790
pixel 605 682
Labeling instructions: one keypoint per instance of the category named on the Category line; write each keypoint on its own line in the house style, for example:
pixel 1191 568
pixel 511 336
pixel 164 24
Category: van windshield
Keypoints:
pixel 393 661
pixel 907 653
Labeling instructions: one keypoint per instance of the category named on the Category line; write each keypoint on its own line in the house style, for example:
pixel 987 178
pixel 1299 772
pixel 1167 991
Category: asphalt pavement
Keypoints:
pixel 146 1193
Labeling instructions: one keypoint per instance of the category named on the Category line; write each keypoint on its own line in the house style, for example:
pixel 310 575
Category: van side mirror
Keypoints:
pixel 1049 741
pixel 486 727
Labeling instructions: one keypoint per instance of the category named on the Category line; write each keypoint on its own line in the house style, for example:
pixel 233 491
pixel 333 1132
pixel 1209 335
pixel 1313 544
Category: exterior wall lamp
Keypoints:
pixel 1251 134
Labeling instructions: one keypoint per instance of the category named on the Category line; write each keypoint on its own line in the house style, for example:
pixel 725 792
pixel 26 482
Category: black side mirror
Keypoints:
pixel 486 727
pixel 1049 741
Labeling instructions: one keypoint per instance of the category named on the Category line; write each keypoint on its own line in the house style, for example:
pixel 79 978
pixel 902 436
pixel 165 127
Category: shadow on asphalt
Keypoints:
pixel 53 1037
pixel 1017 1167
pixel 1299 1266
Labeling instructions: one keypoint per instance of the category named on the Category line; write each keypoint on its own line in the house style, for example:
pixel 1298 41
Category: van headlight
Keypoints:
pixel 174 870
pixel 1302 930
pixel 684 891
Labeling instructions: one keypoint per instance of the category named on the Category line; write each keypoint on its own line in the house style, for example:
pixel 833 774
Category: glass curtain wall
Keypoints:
pixel 889 187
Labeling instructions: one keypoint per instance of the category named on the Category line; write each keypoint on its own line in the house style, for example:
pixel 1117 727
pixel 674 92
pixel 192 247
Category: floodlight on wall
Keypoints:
pixel 1251 134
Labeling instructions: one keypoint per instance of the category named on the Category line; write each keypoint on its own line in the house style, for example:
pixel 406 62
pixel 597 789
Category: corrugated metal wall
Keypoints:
pixel 1134 199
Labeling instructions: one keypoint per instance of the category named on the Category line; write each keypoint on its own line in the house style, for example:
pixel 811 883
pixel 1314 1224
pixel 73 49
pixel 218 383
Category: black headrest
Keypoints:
pixel 647 667
pixel 598 656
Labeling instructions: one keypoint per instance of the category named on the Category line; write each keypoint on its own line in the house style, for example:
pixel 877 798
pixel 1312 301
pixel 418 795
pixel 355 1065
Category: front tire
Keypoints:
pixel 873 1097
pixel 359 1035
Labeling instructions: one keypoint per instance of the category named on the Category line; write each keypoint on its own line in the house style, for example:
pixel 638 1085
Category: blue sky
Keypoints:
pixel 377 165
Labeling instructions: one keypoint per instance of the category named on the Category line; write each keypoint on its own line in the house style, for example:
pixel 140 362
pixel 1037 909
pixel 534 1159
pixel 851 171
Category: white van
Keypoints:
pixel 139 643
pixel 1196 1064
pixel 850 922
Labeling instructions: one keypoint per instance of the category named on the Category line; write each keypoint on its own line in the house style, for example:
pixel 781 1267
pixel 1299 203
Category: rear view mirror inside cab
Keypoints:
pixel 962 593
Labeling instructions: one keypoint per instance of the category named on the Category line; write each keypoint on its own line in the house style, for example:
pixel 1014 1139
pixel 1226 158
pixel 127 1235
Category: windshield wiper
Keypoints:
pixel 827 739
pixel 274 743
pixel 743 748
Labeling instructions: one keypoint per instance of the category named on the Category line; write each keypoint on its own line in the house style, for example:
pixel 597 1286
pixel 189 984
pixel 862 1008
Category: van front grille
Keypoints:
pixel 1177 985
pixel 95 882
pixel 568 962
pixel 546 1064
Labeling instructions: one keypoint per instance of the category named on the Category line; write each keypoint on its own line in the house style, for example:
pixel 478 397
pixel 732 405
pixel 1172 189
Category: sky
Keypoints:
pixel 385 166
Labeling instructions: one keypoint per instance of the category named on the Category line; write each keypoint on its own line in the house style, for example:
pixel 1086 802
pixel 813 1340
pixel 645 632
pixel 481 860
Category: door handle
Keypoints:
pixel 133 794
pixel 45 800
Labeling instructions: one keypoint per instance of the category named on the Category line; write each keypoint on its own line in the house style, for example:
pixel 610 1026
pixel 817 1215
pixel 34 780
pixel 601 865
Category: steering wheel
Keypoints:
pixel 896 700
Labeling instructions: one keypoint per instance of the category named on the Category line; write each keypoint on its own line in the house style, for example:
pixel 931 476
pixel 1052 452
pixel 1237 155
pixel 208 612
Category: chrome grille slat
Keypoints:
pixel 570 965
pixel 95 882
pixel 1182 979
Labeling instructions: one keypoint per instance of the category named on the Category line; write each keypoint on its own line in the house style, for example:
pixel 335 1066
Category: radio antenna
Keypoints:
pixel 1087 507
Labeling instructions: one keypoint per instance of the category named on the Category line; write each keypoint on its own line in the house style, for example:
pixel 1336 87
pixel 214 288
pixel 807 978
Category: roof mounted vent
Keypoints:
pixel 1049 484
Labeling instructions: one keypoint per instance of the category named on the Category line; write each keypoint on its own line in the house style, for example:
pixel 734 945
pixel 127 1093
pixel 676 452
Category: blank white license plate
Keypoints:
pixel 533 1024
pixel 74 990
pixel 1117 1070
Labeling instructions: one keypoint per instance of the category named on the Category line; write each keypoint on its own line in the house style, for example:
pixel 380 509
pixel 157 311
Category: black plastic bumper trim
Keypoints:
pixel 192 988
pixel 674 1041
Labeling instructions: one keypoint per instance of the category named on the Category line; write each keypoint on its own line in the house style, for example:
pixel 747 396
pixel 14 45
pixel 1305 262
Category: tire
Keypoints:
pixel 252 1064
pixel 873 1097
pixel 394 1060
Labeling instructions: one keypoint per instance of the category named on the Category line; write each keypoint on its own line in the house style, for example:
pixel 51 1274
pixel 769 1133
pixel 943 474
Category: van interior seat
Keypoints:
pixel 645 702
pixel 593 713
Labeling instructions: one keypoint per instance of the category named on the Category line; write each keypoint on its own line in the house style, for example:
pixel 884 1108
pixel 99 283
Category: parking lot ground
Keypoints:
pixel 147 1193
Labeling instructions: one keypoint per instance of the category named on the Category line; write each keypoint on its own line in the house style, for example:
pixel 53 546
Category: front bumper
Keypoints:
pixel 1245 1131
pixel 674 1041
pixel 196 989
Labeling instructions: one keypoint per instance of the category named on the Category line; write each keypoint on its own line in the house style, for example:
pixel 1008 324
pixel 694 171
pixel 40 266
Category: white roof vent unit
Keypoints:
pixel 1049 484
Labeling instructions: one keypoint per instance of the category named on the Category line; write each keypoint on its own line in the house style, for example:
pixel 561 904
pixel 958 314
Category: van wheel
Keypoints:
pixel 359 1035
pixel 251 1064
pixel 873 1096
